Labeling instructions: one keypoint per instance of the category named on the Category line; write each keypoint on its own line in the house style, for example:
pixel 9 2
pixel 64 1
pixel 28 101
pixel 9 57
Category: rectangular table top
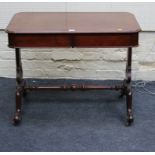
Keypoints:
pixel 72 22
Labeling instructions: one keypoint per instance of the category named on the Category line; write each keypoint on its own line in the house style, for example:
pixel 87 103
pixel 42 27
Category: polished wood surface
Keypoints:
pixel 73 22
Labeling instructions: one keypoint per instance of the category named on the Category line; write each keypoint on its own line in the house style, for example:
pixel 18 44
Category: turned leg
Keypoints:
pixel 19 87
pixel 17 117
pixel 128 87
pixel 129 107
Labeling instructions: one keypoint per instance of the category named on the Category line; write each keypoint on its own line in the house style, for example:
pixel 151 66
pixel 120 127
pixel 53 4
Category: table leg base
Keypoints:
pixel 129 121
pixel 17 118
pixel 22 88
pixel 25 88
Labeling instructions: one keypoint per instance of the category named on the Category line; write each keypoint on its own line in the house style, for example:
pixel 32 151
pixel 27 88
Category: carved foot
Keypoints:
pixel 17 118
pixel 129 122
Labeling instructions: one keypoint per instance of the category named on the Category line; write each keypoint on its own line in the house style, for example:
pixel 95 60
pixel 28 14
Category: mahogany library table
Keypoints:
pixel 69 30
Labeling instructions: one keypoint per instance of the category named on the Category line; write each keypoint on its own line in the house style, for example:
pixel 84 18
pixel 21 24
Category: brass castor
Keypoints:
pixel 17 119
pixel 129 121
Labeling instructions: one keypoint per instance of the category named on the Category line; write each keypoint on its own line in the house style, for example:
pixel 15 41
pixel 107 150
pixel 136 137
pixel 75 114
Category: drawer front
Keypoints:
pixel 38 40
pixel 106 40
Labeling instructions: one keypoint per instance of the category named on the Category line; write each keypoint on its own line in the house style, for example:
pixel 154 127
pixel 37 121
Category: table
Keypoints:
pixel 65 30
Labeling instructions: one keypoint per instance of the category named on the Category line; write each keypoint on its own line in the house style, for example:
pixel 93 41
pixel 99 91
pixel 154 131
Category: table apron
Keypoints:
pixel 73 40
